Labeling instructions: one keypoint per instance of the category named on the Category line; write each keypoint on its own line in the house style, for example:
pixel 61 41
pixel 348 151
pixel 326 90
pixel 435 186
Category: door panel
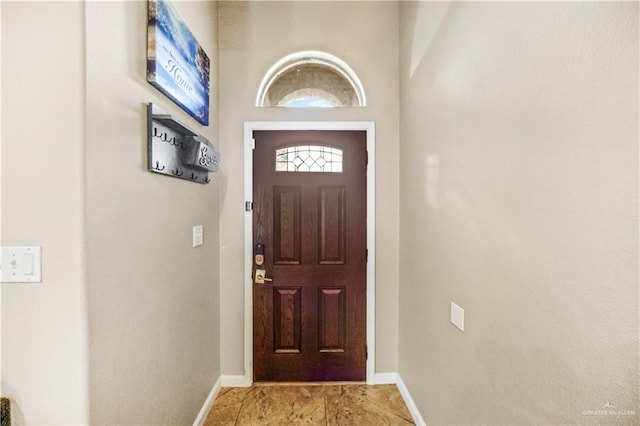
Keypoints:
pixel 332 324
pixel 310 214
pixel 332 225
pixel 287 327
pixel 286 225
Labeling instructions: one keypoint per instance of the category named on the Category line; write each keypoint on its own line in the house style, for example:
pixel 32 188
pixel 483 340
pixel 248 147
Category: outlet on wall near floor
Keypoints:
pixel 198 235
pixel 457 316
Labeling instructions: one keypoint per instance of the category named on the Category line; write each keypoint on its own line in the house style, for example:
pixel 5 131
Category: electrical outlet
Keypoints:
pixel 457 316
pixel 198 236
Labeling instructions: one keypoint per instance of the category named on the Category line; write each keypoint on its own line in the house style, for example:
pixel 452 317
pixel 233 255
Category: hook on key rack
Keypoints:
pixel 176 150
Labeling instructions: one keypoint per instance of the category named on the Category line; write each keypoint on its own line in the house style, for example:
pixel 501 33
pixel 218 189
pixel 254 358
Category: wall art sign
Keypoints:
pixel 176 63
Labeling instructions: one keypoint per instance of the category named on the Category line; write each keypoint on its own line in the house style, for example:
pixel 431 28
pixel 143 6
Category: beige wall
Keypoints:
pixel 519 195
pixel 153 299
pixel 253 36
pixel 44 325
pixel 519 202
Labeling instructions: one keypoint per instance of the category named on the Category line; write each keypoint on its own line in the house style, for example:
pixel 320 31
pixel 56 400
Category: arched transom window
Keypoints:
pixel 310 79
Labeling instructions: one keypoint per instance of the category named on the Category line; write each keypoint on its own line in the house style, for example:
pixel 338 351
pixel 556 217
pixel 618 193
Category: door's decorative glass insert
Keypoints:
pixel 309 158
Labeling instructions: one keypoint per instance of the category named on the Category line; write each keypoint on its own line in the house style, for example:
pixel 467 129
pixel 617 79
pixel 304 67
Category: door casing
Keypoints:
pixel 249 127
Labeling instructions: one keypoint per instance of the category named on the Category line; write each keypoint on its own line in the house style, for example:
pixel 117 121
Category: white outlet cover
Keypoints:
pixel 457 316
pixel 198 235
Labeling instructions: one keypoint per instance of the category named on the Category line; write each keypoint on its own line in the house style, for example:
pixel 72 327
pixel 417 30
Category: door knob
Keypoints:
pixel 260 276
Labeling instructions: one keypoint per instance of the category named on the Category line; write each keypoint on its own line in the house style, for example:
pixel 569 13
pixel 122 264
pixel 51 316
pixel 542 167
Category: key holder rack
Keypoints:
pixel 175 150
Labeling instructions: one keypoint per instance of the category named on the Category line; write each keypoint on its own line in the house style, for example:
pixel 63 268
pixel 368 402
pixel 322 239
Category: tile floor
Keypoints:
pixel 309 404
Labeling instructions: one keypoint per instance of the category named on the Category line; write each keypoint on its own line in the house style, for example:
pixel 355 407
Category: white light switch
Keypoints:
pixel 21 264
pixel 198 236
pixel 27 268
pixel 457 316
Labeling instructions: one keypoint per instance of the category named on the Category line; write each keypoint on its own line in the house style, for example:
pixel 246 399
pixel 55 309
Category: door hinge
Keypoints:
pixel 367 163
pixel 253 144
pixel 366 352
pixel 366 256
pixel 248 206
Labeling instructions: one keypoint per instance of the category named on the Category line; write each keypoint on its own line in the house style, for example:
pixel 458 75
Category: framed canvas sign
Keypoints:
pixel 176 63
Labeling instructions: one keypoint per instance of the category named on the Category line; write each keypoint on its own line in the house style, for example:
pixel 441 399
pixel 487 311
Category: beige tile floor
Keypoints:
pixel 309 404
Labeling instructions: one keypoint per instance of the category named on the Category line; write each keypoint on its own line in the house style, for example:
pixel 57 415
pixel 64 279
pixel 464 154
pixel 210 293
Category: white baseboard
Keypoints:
pixel 202 415
pixel 395 379
pixel 236 381
pixel 385 378
pixel 413 409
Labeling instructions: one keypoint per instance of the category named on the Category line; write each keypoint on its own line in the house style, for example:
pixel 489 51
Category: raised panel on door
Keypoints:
pixel 332 325
pixel 286 225
pixel 287 327
pixel 332 225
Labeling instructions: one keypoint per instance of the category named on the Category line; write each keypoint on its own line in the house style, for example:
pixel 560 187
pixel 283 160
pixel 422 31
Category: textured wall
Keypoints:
pixel 254 36
pixel 153 299
pixel 519 201
pixel 44 325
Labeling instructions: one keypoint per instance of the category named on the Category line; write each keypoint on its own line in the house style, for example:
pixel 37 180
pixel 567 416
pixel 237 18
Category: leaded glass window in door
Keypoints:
pixel 309 158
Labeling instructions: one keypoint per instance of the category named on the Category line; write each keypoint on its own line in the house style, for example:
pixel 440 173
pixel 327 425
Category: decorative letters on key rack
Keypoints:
pixel 175 150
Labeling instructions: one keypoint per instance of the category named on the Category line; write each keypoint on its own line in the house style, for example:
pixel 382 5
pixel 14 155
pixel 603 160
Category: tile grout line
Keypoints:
pixel 388 410
pixel 242 405
pixel 326 414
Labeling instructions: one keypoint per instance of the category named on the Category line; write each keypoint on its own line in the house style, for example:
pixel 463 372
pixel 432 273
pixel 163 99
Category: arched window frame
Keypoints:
pixel 309 57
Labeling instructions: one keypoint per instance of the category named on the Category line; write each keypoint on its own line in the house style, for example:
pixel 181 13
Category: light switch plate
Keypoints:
pixel 457 316
pixel 21 264
pixel 198 236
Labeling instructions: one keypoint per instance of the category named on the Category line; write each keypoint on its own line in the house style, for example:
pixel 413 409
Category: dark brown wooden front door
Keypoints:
pixel 310 206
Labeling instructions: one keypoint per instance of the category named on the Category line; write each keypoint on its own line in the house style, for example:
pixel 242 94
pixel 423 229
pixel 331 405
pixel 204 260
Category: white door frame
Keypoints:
pixel 249 127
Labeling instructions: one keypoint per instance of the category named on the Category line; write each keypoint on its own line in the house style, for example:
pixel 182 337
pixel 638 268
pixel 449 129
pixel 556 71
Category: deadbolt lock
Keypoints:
pixel 258 253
